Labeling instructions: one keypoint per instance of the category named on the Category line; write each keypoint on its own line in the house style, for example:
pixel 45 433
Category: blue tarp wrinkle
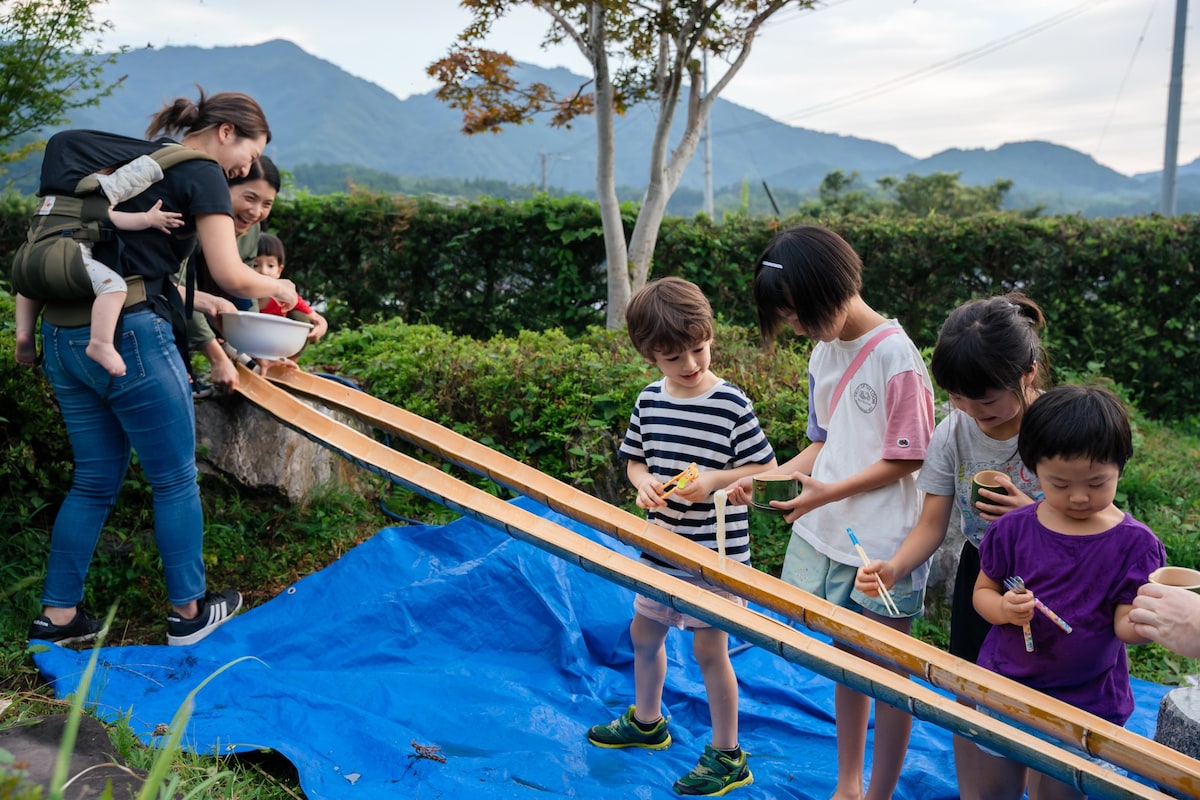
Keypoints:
pixel 494 652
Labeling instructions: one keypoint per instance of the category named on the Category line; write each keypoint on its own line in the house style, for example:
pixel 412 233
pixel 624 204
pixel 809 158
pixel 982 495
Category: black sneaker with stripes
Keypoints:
pixel 215 609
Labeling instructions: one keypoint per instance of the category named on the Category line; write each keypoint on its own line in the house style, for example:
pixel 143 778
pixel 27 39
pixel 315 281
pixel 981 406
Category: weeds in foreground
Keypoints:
pixel 162 780
pixel 259 542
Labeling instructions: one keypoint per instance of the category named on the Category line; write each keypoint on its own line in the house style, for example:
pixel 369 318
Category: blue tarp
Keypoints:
pixel 494 652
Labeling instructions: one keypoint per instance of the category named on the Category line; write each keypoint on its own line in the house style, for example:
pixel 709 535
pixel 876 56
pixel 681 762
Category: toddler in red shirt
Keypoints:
pixel 270 261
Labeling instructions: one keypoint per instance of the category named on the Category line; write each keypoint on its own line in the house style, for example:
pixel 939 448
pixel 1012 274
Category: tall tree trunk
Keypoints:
pixel 615 249
pixel 665 170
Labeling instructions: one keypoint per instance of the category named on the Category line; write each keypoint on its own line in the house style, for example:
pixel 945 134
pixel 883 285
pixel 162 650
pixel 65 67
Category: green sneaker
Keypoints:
pixel 715 775
pixel 624 732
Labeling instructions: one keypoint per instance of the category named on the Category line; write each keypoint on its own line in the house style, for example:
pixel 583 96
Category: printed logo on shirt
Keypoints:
pixel 865 398
pixel 903 442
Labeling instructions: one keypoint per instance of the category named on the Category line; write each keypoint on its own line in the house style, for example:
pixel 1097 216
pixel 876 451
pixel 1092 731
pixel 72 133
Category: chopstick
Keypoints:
pixel 1017 585
pixel 719 497
pixel 884 594
pixel 1039 605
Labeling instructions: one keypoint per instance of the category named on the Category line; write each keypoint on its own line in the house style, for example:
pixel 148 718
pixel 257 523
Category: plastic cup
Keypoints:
pixel 986 479
pixel 1183 577
pixel 773 487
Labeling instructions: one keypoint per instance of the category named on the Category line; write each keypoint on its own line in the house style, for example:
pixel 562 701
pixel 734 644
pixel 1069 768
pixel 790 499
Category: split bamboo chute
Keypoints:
pixel 1153 761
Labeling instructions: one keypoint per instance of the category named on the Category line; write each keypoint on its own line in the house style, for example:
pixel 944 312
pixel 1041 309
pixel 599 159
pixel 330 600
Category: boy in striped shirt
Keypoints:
pixel 687 416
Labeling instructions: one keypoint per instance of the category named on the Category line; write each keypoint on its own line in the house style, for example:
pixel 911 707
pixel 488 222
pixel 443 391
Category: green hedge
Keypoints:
pixel 1121 295
pixel 560 404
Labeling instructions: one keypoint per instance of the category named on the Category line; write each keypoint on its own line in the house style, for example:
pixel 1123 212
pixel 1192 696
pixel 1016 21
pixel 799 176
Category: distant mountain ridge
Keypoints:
pixel 320 114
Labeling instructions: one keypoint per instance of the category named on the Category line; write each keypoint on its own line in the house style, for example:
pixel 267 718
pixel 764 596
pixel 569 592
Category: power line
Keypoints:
pixel 1137 48
pixel 925 72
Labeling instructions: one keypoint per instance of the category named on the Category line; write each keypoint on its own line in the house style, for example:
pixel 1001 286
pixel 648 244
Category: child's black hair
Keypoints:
pixel 990 344
pixel 1076 422
pixel 668 315
pixel 808 270
pixel 270 245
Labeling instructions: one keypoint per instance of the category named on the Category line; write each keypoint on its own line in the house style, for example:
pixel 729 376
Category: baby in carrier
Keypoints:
pixel 109 287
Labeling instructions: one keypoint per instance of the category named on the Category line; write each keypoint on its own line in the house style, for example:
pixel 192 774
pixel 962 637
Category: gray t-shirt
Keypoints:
pixel 957 451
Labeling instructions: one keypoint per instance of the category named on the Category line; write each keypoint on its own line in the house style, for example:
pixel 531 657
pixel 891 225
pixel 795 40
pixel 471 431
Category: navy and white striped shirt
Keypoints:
pixel 717 430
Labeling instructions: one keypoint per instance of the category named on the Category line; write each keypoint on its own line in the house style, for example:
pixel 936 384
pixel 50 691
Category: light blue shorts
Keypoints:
pixel 807 569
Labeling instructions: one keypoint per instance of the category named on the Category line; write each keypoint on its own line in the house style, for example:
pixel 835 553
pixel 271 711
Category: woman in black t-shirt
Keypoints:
pixel 149 409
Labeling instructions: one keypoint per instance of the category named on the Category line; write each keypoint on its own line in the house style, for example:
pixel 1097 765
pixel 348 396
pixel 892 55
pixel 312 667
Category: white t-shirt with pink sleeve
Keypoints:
pixel 885 412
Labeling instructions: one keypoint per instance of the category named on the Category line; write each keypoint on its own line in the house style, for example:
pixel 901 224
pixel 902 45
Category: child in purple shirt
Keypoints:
pixel 1078 554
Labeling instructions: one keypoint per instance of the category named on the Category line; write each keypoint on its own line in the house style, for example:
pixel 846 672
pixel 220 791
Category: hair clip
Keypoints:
pixel 772 264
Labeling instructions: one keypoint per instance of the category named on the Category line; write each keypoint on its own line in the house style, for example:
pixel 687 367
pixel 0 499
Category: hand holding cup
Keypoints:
pixel 988 479
pixel 766 488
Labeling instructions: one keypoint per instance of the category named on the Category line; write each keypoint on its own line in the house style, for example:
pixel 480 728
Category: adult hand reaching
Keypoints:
pixel 1168 615
pixel 286 294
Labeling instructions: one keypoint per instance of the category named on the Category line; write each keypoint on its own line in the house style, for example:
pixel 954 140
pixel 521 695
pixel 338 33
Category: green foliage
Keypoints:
pixel 51 66
pixel 325 179
pixel 941 193
pixel 373 257
pixel 556 403
pixel 1122 294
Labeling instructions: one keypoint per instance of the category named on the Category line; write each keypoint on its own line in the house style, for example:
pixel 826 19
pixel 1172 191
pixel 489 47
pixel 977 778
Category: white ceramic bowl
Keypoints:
pixel 264 335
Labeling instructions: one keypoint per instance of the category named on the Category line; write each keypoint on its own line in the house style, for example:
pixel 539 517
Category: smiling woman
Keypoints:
pixel 252 197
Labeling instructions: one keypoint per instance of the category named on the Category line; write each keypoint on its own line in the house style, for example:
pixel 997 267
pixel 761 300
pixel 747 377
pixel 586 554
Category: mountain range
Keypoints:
pixel 322 115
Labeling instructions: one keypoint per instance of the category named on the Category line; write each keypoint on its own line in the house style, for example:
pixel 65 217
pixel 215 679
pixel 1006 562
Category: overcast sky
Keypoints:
pixel 923 75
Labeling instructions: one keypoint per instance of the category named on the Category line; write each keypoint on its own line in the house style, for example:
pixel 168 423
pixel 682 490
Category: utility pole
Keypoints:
pixel 1174 101
pixel 707 133
pixel 545 158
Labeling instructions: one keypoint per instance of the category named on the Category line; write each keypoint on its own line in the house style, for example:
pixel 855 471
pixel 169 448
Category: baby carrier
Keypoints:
pixel 49 265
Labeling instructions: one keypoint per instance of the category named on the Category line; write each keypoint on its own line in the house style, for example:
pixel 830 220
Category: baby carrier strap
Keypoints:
pixel 167 155
pixel 77 313
pixel 49 266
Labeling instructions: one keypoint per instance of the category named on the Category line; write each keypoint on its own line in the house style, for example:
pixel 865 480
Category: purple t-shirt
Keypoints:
pixel 1083 579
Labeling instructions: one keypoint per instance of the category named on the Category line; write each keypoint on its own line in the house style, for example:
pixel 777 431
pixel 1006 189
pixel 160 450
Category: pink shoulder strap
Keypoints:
pixel 856 363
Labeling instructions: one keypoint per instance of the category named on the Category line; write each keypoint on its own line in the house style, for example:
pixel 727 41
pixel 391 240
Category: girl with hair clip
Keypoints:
pixel 149 408
pixel 990 360
pixel 870 421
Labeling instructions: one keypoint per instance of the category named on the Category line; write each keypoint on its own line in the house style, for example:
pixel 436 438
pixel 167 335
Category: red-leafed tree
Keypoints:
pixel 639 52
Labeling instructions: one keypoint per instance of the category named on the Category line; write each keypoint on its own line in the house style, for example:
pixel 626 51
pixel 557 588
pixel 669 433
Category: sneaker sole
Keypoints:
pixel 663 745
pixel 746 781
pixel 203 633
pixel 82 639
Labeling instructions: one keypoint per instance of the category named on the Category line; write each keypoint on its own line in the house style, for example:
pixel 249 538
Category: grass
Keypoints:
pixel 261 544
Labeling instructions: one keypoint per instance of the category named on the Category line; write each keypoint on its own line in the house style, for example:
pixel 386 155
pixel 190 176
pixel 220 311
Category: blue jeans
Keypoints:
pixel 149 410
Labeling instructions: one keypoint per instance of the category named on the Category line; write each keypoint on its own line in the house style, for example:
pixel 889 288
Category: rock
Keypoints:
pixel 1179 723
pixel 942 569
pixel 236 438
pixel 34 746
